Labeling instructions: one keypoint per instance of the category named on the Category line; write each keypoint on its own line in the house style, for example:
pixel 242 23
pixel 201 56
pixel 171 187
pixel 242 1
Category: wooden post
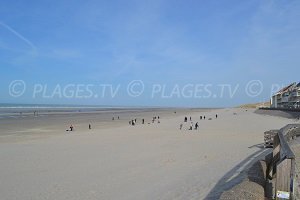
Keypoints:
pixel 283 179
pixel 293 177
pixel 276 147
pixel 276 154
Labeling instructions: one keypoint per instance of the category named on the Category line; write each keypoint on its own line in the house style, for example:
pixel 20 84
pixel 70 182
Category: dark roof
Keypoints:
pixel 298 85
pixel 286 88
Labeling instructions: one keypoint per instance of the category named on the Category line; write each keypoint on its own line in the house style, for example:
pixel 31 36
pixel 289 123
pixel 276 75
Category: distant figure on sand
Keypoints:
pixel 196 126
pixel 185 119
pixel 113 118
pixel 200 117
pixel 190 118
pixel 118 117
pixel 90 126
pixel 71 128
pixel 143 121
pixel 180 127
pixel 191 126
pixel 204 117
pixel 216 116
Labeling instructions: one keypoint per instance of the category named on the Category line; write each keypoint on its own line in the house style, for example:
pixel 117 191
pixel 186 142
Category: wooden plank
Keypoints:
pixel 285 151
pixel 276 156
pixel 276 148
pixel 283 177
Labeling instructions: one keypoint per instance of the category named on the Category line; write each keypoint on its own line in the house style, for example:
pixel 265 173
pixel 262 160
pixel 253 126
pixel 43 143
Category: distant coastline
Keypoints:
pixel 16 110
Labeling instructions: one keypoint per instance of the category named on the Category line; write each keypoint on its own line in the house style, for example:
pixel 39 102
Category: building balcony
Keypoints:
pixel 285 100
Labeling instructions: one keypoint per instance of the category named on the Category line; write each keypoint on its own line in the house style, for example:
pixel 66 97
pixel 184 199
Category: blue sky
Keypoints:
pixel 158 42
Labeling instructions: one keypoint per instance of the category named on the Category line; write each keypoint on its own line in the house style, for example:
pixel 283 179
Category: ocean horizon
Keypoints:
pixel 15 108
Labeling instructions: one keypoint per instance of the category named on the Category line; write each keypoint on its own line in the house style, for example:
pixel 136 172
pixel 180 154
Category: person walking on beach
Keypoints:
pixel 143 121
pixel 190 118
pixel 90 126
pixel 180 127
pixel 185 119
pixel 196 126
pixel 216 116
pixel 204 117
pixel 71 127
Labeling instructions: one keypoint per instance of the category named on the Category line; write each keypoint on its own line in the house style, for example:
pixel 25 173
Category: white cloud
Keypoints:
pixel 20 36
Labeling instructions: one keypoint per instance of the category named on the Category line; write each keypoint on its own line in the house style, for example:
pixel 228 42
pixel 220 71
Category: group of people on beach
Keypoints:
pixel 113 118
pixel 71 128
pixel 155 118
pixel 134 121
pixel 192 125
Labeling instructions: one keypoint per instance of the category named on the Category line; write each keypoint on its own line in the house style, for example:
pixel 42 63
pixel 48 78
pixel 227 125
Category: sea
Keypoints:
pixel 23 109
pixel 6 108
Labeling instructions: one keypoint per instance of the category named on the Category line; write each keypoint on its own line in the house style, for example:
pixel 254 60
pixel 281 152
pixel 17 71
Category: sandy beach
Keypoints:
pixel 41 160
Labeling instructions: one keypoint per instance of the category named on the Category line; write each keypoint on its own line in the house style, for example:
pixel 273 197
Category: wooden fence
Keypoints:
pixel 282 168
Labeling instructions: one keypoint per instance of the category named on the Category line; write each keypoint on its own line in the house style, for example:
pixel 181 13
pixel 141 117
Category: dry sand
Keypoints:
pixel 40 160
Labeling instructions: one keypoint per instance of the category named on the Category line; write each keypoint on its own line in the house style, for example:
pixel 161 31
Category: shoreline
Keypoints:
pixel 19 111
pixel 57 122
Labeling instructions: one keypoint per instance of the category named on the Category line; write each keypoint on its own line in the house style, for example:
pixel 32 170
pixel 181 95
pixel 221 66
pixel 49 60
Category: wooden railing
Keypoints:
pixel 282 169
